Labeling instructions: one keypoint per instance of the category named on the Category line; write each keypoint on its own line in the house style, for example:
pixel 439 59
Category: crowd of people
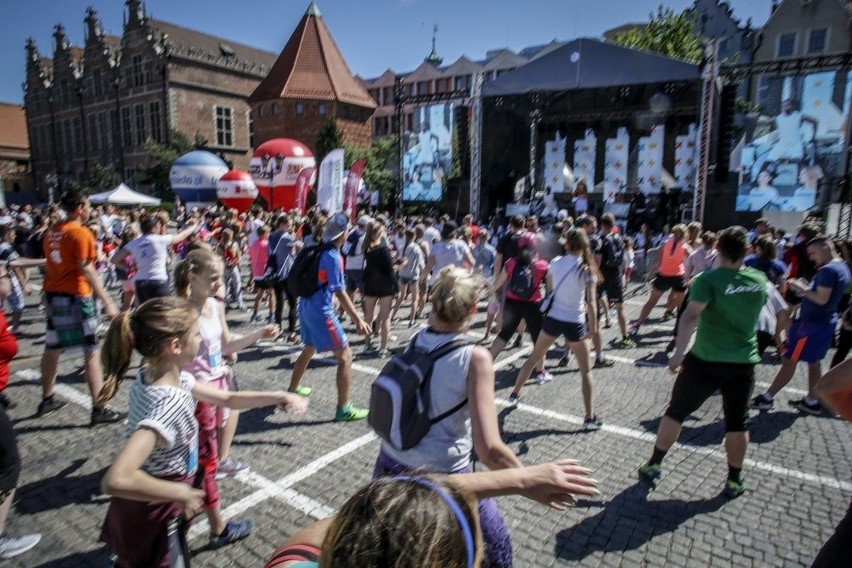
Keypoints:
pixel 737 292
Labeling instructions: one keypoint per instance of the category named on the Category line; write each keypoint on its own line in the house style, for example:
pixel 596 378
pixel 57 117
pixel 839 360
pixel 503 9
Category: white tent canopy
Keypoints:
pixel 123 195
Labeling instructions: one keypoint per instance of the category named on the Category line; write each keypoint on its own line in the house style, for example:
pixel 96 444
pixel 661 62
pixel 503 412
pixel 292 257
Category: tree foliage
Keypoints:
pixel 161 156
pixel 330 138
pixel 101 178
pixel 381 165
pixel 668 33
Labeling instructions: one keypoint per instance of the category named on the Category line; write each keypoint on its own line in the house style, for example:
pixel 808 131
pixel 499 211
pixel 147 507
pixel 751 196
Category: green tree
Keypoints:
pixel 161 156
pixel 330 138
pixel 667 33
pixel 101 178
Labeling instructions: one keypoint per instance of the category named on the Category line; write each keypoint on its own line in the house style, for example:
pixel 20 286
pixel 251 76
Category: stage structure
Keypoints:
pixel 619 110
pixel 424 154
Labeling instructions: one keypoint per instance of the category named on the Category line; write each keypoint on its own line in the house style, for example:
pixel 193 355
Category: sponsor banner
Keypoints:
pixel 685 158
pixel 616 154
pixel 330 184
pixel 304 181
pixel 585 153
pixel 649 169
pixel 554 164
pixel 353 182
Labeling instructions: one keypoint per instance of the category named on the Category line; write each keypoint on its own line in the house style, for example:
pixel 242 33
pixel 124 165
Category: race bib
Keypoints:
pixel 192 457
pixel 214 356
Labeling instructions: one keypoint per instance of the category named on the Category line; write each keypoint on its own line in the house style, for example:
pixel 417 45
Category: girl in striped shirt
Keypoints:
pixel 151 479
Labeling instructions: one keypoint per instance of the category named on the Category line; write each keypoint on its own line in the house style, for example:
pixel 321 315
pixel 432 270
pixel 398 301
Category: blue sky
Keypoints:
pixel 372 34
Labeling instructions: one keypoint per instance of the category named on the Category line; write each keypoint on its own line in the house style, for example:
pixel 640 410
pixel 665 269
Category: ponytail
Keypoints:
pixel 115 356
pixel 146 330
pixel 196 261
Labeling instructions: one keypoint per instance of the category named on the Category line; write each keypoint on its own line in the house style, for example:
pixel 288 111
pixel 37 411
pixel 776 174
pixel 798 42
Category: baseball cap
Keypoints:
pixel 334 227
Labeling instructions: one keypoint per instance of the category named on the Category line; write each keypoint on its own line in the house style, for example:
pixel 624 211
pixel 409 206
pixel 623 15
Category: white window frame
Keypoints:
pixel 225 133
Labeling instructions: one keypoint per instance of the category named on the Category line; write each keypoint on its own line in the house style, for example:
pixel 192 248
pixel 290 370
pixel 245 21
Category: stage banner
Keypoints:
pixel 615 164
pixel 350 194
pixel 303 183
pixel 554 164
pixel 585 152
pixel 330 185
pixel 684 169
pixel 650 166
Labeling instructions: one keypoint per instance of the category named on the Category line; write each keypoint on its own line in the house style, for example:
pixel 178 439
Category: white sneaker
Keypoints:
pixel 543 377
pixel 11 546
pixel 231 466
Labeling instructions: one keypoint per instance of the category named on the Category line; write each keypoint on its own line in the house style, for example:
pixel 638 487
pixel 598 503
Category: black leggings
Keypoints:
pixel 281 290
pixel 844 344
pixel 514 311
pixel 10 462
pixel 699 379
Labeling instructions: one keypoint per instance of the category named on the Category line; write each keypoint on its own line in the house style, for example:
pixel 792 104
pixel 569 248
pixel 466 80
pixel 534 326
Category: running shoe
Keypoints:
pixel 234 531
pixel 519 342
pixel 607 324
pixel 633 329
pixel 384 353
pixel 301 391
pixel 802 406
pixel 564 360
pixel 231 466
pixel 627 343
pixel 349 414
pixel 254 318
pixel 11 546
pixel 650 471
pixel 49 406
pixel 668 315
pixel 760 402
pixel 513 400
pixel 603 362
pixel 543 376
pixel 592 424
pixel 734 489
pixel 106 415
pixel 270 318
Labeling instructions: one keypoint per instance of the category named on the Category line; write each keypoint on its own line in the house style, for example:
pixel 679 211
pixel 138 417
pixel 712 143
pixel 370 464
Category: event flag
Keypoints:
pixel 684 166
pixel 330 185
pixel 615 164
pixel 554 164
pixel 650 166
pixel 303 182
pixel 585 153
pixel 353 182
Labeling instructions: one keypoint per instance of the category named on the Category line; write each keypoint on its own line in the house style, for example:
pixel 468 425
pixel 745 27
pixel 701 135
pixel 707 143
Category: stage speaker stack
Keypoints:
pixel 726 135
pixel 462 125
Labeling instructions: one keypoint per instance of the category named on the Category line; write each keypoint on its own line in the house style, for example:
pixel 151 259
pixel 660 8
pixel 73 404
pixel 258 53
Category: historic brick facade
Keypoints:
pixel 99 104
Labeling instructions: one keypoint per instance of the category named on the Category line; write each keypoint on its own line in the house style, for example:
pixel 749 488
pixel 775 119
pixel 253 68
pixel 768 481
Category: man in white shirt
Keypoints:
pixel 151 254
pixel 107 220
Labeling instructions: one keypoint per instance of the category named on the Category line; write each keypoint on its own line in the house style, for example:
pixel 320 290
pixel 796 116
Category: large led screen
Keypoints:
pixel 428 153
pixel 793 141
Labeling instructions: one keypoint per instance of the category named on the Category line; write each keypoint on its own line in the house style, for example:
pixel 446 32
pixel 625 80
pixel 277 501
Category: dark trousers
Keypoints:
pixel 148 289
pixel 281 291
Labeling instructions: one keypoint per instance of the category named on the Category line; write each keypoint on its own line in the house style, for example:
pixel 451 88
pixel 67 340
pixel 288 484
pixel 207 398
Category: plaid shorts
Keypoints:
pixel 71 322
pixel 16 297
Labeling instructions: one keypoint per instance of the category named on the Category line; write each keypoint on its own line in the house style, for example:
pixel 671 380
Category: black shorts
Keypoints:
pixel 10 462
pixel 699 379
pixel 666 283
pixel 571 330
pixel 150 289
pixel 262 284
pixel 614 287
pixel 514 311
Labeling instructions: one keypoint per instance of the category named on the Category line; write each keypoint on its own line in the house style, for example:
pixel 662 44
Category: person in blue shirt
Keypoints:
pixel 810 335
pixel 320 326
pixel 765 259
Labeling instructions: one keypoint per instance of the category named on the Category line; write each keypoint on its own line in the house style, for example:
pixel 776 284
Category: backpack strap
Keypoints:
pixel 436 354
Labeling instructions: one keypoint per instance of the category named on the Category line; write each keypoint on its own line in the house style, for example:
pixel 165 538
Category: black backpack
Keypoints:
pixel 303 279
pixel 615 256
pixel 521 281
pixel 399 397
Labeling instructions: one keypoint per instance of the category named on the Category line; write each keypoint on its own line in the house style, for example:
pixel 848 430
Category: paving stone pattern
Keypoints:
pixel 798 479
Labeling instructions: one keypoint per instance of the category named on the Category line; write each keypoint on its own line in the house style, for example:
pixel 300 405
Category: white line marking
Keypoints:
pixel 281 489
pixel 715 452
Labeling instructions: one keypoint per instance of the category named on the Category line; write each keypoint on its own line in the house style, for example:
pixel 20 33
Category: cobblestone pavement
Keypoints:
pixel 798 469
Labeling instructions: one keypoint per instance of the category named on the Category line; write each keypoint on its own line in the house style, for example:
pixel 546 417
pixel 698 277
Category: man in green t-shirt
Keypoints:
pixel 724 304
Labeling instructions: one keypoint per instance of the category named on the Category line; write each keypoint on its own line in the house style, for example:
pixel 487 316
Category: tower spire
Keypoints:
pixel 433 57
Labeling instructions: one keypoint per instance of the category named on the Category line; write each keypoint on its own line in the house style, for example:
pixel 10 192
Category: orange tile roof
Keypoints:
pixel 13 127
pixel 312 67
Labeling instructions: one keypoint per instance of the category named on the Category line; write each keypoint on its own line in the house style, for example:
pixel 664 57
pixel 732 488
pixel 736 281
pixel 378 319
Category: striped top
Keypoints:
pixel 170 412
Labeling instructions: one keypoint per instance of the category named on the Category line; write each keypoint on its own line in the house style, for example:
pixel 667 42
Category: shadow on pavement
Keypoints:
pixel 767 426
pixel 628 521
pixel 62 489
pixel 705 435
pixel 98 557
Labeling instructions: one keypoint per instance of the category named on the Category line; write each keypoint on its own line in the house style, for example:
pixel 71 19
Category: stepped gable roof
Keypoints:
pixel 504 59
pixel 312 67
pixel 185 42
pixel 13 127
pixel 386 79
pixel 424 72
pixel 462 66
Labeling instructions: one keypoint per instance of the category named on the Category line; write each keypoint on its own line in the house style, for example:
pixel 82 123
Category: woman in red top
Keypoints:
pixel 670 275
pixel 523 277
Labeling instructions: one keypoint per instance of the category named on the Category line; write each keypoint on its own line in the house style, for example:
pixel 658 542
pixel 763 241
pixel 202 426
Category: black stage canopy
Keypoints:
pixel 587 63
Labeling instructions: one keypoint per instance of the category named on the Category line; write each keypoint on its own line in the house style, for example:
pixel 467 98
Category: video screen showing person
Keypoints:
pixel 794 141
pixel 427 157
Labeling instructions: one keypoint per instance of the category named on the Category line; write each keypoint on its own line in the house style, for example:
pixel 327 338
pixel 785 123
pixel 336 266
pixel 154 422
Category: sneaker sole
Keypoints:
pixel 806 410
pixel 731 494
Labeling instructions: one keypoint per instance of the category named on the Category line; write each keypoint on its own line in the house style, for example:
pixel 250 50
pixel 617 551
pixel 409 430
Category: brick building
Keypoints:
pixel 309 82
pixel 15 170
pixel 101 102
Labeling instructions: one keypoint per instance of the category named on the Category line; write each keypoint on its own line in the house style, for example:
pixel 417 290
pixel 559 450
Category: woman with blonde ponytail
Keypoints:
pixel 150 480
pixel 462 379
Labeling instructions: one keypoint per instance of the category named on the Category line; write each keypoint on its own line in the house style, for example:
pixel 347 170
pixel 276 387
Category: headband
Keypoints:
pixel 467 533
